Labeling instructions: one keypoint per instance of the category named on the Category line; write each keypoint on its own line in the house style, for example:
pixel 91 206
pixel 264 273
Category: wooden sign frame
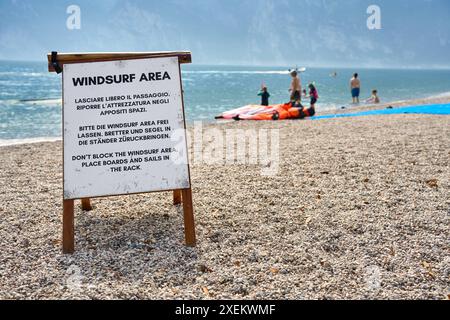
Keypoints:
pixel 180 196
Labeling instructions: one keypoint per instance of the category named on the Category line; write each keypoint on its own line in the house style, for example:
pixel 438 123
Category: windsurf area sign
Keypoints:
pixel 123 128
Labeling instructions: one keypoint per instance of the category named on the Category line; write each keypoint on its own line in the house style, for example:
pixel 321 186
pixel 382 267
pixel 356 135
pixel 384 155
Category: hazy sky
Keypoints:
pixel 415 33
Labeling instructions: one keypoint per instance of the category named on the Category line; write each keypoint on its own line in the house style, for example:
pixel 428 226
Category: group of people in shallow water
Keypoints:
pixel 296 94
pixel 355 87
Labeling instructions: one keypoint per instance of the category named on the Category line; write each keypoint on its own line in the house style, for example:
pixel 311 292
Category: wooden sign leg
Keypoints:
pixel 86 204
pixel 68 227
pixel 176 197
pixel 189 224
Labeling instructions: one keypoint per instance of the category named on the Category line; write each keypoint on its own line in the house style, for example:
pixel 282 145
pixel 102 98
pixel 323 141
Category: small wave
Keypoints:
pixel 24 74
pixel 327 106
pixel 33 101
pixel 42 101
pixel 236 72
pixel 441 95
pixel 12 142
pixel 34 74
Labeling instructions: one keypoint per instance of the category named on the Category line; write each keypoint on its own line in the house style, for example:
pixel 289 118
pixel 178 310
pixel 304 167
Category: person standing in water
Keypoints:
pixel 296 88
pixel 265 95
pixel 355 86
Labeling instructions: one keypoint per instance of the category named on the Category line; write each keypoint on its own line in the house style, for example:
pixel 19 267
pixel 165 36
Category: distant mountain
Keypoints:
pixel 415 33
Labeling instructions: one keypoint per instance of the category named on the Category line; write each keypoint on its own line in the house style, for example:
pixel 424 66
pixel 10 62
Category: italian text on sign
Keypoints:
pixel 120 120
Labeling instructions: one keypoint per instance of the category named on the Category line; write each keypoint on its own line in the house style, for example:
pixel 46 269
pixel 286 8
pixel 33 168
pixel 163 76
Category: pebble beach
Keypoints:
pixel 359 209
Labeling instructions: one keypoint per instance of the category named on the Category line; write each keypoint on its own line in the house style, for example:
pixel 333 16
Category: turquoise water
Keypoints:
pixel 30 104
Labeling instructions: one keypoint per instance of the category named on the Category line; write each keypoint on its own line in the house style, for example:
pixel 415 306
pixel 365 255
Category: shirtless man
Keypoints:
pixel 355 86
pixel 296 87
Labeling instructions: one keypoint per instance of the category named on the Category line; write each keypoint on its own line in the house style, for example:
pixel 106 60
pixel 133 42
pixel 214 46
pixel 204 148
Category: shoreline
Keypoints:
pixel 439 99
pixel 15 142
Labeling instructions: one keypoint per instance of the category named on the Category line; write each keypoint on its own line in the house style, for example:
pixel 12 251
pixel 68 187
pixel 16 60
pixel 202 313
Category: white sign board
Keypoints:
pixel 124 129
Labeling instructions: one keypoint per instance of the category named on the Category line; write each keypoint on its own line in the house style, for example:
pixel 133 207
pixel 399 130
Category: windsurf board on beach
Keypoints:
pixel 272 112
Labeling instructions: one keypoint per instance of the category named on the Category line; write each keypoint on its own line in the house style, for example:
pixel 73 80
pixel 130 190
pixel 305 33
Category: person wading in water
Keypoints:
pixel 265 95
pixel 355 86
pixel 296 88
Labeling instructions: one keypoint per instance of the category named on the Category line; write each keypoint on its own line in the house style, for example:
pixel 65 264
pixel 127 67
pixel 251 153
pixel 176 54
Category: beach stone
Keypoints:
pixel 376 222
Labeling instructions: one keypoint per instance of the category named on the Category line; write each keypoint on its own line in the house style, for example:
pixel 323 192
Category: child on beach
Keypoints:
pixel 374 98
pixel 264 94
pixel 313 94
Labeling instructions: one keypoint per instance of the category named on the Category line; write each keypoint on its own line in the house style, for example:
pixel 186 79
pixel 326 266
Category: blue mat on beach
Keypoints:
pixel 438 109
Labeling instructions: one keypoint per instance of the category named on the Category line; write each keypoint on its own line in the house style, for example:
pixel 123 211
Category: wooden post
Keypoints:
pixel 176 197
pixel 68 226
pixel 189 224
pixel 86 204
